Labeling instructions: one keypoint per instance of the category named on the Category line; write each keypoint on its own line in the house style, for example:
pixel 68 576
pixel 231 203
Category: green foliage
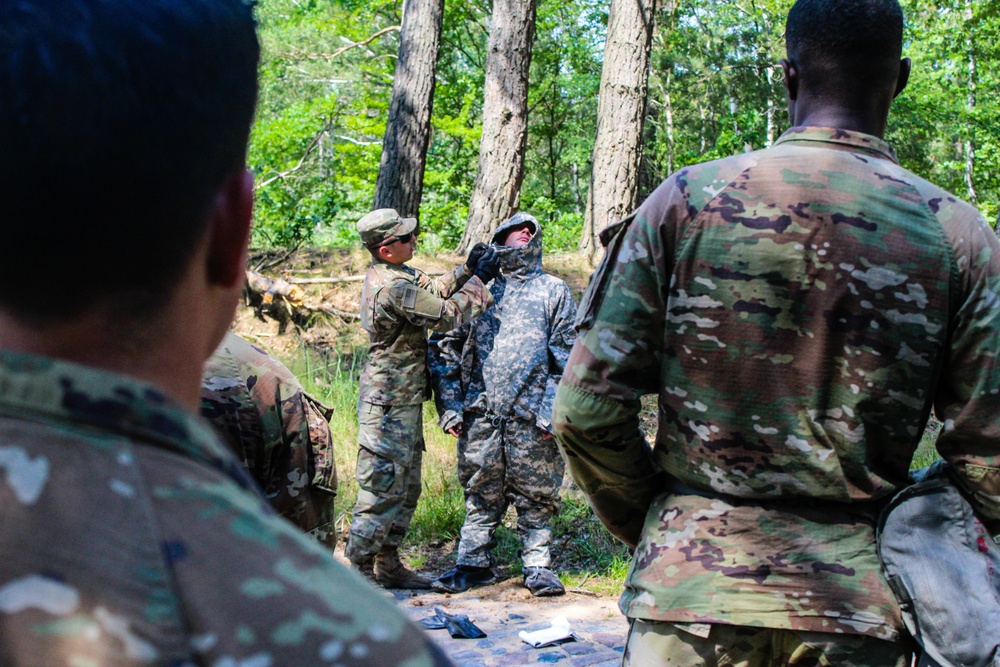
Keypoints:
pixel 714 90
pixel 316 144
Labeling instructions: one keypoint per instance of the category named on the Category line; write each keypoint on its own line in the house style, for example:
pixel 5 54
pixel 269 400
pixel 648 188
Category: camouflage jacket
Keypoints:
pixel 509 360
pixel 398 305
pixel 798 310
pixel 133 536
pixel 279 432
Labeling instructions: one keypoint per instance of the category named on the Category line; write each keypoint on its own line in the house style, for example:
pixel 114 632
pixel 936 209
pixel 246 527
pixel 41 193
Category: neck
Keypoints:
pixel 870 120
pixel 144 351
pixel 167 350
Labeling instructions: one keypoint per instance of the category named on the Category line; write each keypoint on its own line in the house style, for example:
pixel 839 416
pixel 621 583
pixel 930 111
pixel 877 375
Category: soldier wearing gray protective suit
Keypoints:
pixel 495 380
pixel 398 305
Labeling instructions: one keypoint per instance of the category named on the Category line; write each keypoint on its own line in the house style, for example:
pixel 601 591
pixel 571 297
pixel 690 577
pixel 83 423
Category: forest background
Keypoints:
pixel 711 88
pixel 714 89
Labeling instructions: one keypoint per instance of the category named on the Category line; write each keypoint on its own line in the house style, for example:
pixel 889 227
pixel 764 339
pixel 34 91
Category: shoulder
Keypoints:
pixel 973 241
pixel 689 190
pixel 268 577
pixel 237 361
pixel 946 207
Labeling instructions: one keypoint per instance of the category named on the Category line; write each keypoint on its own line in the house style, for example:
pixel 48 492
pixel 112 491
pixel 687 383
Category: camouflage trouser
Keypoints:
pixel 658 644
pixel 391 440
pixel 509 461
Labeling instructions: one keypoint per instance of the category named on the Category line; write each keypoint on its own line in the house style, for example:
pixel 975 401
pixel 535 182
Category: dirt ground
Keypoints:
pixel 505 609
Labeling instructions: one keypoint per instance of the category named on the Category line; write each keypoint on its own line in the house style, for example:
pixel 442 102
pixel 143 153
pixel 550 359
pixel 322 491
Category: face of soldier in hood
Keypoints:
pixel 518 236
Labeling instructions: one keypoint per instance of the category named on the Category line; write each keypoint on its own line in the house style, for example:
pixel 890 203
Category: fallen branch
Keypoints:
pixel 343 314
pixel 284 301
pixel 320 281
pixel 343 279
pixel 583 591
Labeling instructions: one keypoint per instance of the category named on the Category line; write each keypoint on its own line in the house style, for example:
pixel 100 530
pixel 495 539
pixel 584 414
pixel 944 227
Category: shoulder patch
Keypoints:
pixel 420 302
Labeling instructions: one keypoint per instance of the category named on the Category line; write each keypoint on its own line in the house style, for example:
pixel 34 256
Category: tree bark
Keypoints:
pixel 621 109
pixel 969 148
pixel 407 133
pixel 497 192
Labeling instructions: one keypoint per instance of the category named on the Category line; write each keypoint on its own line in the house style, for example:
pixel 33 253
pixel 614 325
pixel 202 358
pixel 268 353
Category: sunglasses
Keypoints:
pixel 404 238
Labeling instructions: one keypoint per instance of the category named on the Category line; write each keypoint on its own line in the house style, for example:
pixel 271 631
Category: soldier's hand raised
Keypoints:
pixel 475 255
pixel 488 267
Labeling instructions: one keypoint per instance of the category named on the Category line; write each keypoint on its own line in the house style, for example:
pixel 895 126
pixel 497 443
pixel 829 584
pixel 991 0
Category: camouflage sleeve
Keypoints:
pixel 445 285
pixel 423 308
pixel 561 337
pixel 614 362
pixel 322 488
pixel 444 359
pixel 968 399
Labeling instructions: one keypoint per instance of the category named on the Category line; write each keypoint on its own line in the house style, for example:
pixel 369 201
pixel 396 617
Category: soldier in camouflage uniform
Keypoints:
pixel 398 305
pixel 280 433
pixel 798 310
pixel 495 380
pixel 131 535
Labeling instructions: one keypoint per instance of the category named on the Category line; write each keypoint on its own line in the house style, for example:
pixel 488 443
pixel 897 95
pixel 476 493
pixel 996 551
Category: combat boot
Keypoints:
pixel 542 582
pixel 464 577
pixel 391 573
pixel 365 567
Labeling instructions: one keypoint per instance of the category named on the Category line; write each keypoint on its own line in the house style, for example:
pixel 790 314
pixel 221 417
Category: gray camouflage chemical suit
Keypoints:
pixel 497 376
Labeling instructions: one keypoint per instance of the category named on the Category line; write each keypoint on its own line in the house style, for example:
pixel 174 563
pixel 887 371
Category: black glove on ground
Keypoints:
pixel 475 255
pixel 488 266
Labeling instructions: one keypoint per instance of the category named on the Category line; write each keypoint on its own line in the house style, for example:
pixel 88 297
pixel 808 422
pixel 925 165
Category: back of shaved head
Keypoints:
pixel 845 46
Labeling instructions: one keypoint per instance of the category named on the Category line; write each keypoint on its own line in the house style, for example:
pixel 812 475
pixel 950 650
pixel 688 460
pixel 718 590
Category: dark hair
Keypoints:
pixel 119 120
pixel 845 45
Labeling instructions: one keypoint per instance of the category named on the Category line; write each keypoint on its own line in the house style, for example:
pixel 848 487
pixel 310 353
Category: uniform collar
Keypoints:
pixel 383 265
pixel 53 391
pixel 856 141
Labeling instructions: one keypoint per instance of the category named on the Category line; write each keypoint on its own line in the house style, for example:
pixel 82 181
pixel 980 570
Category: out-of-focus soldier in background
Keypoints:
pixel 280 432
pixel 398 305
pixel 798 310
pixel 494 380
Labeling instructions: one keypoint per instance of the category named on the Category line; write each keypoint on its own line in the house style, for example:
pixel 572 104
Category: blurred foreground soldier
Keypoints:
pixel 398 305
pixel 279 432
pixel 131 535
pixel 495 379
pixel 799 310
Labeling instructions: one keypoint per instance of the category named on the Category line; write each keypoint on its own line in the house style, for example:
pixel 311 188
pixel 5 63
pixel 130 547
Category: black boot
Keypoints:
pixel 464 577
pixel 391 573
pixel 542 582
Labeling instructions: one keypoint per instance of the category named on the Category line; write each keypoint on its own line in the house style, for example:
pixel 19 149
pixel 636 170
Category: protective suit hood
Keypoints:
pixel 519 263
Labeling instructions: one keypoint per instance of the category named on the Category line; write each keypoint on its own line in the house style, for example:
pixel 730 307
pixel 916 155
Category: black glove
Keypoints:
pixel 488 266
pixel 475 255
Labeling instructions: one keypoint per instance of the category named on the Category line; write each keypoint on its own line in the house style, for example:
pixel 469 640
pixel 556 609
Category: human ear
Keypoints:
pixel 791 84
pixel 229 231
pixel 791 80
pixel 904 76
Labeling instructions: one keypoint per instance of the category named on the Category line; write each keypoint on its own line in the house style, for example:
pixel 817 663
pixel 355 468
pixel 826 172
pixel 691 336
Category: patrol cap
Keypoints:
pixel 382 225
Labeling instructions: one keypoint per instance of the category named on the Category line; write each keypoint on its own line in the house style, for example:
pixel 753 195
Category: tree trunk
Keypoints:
pixel 772 110
pixel 669 109
pixel 407 133
pixel 970 107
pixel 621 108
pixel 497 192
